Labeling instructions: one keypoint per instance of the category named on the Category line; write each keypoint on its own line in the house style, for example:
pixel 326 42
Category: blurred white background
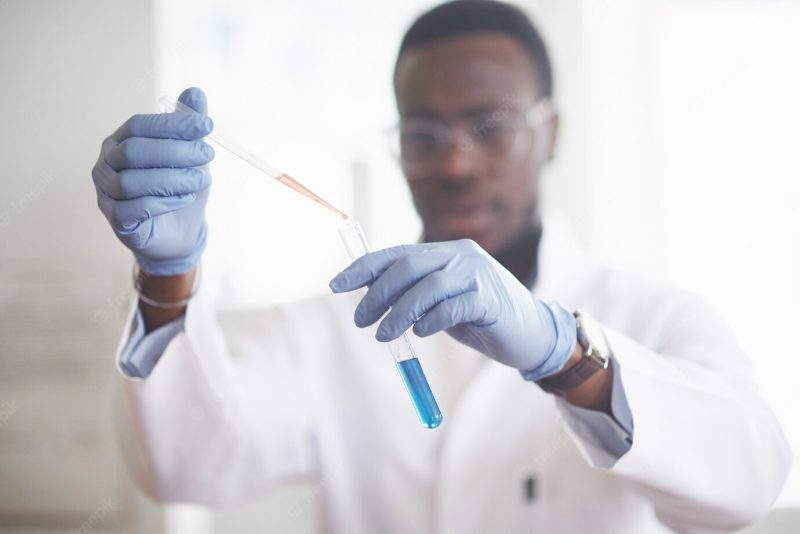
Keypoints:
pixel 677 160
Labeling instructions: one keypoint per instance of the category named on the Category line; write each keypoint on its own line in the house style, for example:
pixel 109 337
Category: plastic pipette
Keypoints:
pixel 168 104
pixel 356 245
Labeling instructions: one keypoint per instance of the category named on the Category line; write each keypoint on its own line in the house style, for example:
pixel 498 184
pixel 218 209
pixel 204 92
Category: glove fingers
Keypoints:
pixel 433 290
pixel 146 153
pixel 135 183
pixel 178 125
pixel 398 278
pixel 370 267
pixel 126 215
pixel 195 98
pixel 464 308
pixel 103 176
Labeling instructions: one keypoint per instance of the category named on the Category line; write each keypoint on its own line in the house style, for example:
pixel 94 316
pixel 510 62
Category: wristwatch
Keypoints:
pixel 596 355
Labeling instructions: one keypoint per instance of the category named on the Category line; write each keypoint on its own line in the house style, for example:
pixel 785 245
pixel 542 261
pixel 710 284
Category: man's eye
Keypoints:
pixel 492 132
pixel 417 143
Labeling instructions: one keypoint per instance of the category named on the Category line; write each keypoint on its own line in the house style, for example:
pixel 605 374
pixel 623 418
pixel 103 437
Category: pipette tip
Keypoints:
pixel 290 182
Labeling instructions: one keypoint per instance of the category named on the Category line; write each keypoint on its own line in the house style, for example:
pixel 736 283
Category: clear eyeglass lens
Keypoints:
pixel 417 145
pixel 419 142
pixel 498 139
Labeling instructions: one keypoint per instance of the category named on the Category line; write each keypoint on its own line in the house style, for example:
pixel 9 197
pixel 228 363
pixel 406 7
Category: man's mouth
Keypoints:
pixel 463 220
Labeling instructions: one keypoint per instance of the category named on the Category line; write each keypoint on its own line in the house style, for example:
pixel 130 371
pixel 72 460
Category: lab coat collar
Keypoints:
pixel 565 265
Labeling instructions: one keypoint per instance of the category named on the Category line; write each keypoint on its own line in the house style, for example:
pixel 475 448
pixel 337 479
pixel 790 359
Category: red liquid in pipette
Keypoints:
pixel 288 181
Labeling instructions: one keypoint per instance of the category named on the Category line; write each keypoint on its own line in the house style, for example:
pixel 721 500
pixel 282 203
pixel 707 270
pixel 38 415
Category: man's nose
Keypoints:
pixel 458 157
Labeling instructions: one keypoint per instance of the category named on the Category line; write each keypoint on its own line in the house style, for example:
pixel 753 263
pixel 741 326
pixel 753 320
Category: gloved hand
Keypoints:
pixel 457 287
pixel 152 183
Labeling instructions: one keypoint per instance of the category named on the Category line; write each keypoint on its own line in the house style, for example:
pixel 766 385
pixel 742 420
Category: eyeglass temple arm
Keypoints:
pixel 541 112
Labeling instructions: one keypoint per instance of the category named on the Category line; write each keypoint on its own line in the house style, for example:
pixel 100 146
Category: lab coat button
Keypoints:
pixel 529 489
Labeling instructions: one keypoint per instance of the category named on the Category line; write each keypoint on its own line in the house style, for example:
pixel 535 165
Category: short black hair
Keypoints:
pixel 464 17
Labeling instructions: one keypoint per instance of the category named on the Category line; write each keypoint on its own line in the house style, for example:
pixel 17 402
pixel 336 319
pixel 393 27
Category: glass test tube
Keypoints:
pixel 401 349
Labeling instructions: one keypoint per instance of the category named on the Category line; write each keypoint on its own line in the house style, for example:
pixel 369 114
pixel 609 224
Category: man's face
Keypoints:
pixel 468 188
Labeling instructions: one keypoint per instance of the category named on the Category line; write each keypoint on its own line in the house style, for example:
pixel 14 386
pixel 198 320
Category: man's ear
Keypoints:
pixel 551 129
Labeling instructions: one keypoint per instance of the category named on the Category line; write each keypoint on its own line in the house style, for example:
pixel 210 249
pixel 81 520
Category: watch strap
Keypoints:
pixel 572 377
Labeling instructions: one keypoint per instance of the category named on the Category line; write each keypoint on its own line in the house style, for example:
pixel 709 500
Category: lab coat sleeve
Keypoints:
pixel 606 438
pixel 203 426
pixel 707 449
pixel 140 354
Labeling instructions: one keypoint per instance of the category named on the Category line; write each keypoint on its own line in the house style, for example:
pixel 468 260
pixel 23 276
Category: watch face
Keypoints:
pixel 593 334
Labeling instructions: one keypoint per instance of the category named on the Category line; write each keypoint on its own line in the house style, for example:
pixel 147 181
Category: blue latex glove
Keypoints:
pixel 152 183
pixel 457 287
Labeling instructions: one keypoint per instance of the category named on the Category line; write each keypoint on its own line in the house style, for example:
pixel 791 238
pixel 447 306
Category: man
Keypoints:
pixel 636 414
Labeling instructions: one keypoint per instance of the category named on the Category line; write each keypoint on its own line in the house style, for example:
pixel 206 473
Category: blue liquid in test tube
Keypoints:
pixel 403 353
pixel 417 385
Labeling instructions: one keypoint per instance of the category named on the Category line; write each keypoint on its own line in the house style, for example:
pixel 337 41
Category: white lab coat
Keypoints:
pixel 240 403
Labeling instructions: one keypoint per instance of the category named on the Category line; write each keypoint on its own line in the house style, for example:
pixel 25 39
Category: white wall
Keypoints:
pixel 691 160
pixel 71 72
